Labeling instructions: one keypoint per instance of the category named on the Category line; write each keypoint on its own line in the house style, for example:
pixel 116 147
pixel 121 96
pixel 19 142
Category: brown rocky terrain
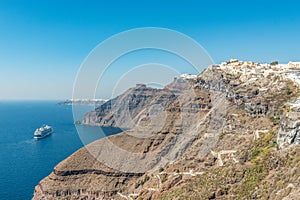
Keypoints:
pixel 223 134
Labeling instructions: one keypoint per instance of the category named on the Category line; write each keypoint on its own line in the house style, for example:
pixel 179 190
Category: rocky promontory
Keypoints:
pixel 229 133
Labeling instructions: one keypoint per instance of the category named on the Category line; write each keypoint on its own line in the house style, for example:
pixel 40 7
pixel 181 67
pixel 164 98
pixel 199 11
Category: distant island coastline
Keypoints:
pixel 83 102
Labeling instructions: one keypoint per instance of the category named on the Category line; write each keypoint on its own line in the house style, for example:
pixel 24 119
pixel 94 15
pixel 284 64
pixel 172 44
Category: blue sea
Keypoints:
pixel 24 161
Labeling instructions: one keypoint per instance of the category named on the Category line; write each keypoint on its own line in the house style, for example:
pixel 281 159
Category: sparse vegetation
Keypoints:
pixel 142 181
pixel 274 63
pixel 275 119
pixel 164 178
pixel 240 181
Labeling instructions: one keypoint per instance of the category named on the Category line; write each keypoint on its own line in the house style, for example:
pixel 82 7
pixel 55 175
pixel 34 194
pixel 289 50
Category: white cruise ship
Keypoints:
pixel 42 132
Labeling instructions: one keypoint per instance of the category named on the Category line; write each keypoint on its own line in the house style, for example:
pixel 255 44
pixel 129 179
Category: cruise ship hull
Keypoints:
pixel 36 137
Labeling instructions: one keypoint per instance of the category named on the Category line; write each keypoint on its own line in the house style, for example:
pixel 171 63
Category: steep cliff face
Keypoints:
pixel 211 136
pixel 289 132
pixel 126 110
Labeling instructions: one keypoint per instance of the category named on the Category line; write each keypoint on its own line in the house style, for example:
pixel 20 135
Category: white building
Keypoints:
pixel 294 64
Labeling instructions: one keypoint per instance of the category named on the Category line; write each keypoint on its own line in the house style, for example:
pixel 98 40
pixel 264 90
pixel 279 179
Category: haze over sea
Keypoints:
pixel 24 161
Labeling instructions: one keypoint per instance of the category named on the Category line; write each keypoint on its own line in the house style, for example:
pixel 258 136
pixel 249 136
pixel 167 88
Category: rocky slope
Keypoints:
pixel 212 136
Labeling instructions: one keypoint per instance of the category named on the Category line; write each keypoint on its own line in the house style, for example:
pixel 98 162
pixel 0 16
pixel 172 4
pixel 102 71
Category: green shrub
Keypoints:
pixel 274 63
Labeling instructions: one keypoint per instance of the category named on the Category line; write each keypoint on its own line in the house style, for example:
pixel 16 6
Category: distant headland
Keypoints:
pixel 83 102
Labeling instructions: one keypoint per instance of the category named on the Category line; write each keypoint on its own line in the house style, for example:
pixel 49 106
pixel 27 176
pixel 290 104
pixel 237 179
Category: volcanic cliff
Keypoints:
pixel 229 133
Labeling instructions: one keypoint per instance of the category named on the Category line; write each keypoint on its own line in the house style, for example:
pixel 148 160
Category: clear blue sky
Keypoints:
pixel 43 43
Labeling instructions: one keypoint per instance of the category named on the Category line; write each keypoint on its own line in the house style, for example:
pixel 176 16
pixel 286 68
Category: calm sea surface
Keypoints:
pixel 24 161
